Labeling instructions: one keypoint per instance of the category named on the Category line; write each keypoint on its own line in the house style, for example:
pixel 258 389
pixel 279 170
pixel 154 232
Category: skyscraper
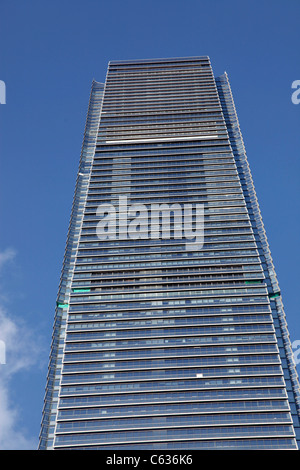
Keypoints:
pixel 169 328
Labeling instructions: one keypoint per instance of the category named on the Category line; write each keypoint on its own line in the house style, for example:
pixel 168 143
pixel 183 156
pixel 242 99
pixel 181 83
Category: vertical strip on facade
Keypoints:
pixel 239 151
pixel 49 416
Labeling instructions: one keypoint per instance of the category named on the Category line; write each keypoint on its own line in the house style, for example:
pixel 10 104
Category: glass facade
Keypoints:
pixel 156 345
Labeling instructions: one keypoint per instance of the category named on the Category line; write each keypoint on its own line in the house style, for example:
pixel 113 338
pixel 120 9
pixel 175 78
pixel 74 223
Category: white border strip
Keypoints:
pixel 196 137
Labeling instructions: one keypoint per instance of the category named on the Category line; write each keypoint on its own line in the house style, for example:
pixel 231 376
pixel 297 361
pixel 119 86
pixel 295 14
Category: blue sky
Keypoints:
pixel 50 53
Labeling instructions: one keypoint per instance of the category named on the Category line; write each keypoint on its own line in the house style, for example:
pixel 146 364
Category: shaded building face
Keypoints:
pixel 169 330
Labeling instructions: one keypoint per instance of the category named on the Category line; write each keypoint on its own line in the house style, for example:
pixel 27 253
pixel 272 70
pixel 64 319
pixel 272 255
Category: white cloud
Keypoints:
pixel 6 255
pixel 22 352
pixel 11 437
